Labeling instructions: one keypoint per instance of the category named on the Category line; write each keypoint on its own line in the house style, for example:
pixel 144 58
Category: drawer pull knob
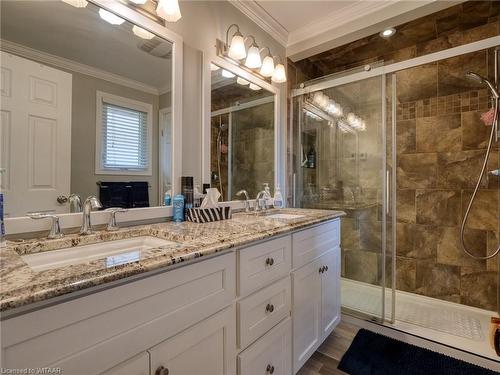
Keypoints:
pixel 269 261
pixel 161 371
pixel 269 308
pixel 270 369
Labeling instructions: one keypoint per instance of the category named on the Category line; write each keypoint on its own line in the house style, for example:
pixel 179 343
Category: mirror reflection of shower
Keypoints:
pixel 222 128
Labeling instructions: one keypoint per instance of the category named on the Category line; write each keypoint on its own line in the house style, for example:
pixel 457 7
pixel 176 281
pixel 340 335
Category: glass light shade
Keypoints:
pixel 318 98
pixel 214 67
pixel 242 81
pixel 140 2
pixel 142 33
pixel 279 75
pixel 255 87
pixel 111 18
pixel 237 49
pixel 253 60
pixel 169 10
pixel 267 67
pixel 76 3
pixel 227 74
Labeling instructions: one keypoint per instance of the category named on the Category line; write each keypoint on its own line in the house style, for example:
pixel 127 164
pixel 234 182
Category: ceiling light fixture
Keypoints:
pixel 387 33
pixel 227 74
pixel 142 33
pixel 242 81
pixel 111 18
pixel 169 10
pixel 76 3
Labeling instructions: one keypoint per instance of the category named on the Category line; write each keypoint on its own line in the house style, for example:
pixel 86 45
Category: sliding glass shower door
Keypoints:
pixel 342 162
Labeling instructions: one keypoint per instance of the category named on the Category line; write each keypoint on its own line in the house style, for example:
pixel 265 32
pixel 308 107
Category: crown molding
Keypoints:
pixel 263 19
pixel 338 18
pixel 60 62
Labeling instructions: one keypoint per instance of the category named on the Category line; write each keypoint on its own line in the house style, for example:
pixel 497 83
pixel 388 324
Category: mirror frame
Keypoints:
pixel 279 124
pixel 24 224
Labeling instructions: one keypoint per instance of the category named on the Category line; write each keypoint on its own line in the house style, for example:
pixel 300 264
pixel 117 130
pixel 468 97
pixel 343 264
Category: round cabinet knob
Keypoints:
pixel 269 308
pixel 269 261
pixel 270 369
pixel 161 371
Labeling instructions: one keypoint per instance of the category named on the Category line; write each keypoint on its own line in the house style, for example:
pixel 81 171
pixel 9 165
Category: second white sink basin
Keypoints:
pixel 116 253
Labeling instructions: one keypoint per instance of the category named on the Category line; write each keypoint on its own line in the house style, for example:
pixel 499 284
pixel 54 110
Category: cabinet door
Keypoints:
pixel 330 291
pixel 306 312
pixel 138 365
pixel 207 348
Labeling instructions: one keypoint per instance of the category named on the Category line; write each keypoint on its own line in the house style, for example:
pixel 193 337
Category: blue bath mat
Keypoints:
pixel 374 354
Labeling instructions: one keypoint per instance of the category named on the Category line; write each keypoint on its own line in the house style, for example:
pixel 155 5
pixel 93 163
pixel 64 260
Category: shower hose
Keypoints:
pixel 483 171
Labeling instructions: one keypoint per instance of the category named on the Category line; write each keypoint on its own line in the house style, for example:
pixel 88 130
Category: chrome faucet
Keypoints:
pixel 112 225
pixel 75 203
pixel 55 228
pixel 260 201
pixel 90 203
pixel 247 199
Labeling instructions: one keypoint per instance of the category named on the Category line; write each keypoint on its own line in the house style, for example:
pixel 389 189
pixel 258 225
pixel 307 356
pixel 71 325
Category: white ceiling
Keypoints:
pixel 81 36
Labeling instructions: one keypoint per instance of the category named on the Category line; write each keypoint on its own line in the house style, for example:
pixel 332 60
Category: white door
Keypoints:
pixel 306 313
pixel 35 136
pixel 330 291
pixel 207 348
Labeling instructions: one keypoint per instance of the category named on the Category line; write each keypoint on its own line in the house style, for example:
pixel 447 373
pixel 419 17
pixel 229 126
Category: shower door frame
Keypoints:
pixel 389 179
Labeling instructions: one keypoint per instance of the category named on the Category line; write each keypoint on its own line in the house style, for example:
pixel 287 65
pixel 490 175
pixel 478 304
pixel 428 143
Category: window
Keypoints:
pixel 123 136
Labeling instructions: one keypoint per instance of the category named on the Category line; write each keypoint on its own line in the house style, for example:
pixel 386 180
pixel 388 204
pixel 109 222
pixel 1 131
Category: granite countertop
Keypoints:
pixel 20 285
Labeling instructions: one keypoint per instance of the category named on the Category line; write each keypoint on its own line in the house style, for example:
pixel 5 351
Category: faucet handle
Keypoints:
pixel 55 228
pixel 112 226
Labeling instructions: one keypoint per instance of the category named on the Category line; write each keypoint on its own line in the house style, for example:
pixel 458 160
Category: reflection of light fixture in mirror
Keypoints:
pixel 169 10
pixel 227 74
pixel 267 67
pixel 255 87
pixel 111 18
pixel 141 33
pixel 237 48
pixel 387 33
pixel 279 74
pixel 76 3
pixel 253 60
pixel 214 67
pixel 139 2
pixel 242 81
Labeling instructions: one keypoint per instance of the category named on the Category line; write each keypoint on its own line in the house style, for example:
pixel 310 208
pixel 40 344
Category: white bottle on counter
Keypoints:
pixel 278 198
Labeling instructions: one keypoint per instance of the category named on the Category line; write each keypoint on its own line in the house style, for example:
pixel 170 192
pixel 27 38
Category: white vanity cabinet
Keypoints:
pixel 316 289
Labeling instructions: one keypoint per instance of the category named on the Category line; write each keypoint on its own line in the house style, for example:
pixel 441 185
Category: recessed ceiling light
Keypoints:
pixel 110 17
pixel 387 33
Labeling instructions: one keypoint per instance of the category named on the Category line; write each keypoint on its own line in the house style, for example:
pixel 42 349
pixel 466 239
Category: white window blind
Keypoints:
pixel 124 138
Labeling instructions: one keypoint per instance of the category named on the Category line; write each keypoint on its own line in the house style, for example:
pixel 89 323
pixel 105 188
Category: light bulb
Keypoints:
pixel 214 67
pixel 227 74
pixel 318 97
pixel 140 2
pixel 142 33
pixel 253 60
pixel 242 81
pixel 279 75
pixel 387 33
pixel 76 3
pixel 169 10
pixel 237 47
pixel 255 87
pixel 267 68
pixel 111 18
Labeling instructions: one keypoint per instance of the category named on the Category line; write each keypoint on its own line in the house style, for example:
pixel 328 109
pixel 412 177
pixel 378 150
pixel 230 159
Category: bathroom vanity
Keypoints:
pixel 253 294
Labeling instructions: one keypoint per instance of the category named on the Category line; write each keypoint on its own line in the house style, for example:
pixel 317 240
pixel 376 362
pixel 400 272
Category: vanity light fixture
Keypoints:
pixel 253 60
pixel 76 3
pixel 279 74
pixel 169 10
pixel 227 74
pixel 387 33
pixel 254 87
pixel 267 67
pixel 237 48
pixel 111 18
pixel 142 33
pixel 242 81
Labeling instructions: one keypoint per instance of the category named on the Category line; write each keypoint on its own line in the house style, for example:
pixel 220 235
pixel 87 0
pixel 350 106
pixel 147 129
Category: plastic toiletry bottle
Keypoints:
pixel 178 208
pixel 278 198
pixel 168 197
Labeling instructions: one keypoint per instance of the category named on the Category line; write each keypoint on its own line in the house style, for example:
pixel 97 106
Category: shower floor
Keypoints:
pixel 449 323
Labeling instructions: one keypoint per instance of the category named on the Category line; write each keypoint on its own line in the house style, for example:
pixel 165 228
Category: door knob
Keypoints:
pixel 61 199
pixel 161 371
pixel 270 369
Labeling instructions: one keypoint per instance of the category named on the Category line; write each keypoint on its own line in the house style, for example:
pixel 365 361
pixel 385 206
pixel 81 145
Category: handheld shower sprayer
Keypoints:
pixel 494 130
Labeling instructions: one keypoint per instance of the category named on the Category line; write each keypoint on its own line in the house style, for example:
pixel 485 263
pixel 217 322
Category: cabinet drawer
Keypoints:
pixel 261 311
pixel 272 351
pixel 312 243
pixel 261 264
pixel 138 365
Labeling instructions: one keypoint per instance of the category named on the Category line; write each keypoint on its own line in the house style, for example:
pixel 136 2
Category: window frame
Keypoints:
pixel 133 105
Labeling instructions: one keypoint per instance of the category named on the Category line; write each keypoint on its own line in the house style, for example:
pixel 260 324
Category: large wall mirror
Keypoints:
pixel 242 134
pixel 86 108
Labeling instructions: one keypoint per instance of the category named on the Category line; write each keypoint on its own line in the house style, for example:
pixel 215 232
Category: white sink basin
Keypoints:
pixel 116 253
pixel 284 216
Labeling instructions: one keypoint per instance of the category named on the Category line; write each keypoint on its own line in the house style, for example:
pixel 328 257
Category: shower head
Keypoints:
pixel 480 79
